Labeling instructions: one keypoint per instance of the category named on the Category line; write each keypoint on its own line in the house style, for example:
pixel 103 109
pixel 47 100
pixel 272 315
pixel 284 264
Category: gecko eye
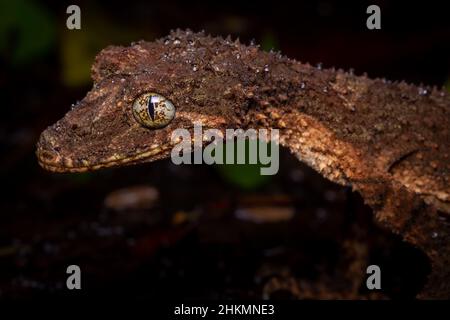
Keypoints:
pixel 153 110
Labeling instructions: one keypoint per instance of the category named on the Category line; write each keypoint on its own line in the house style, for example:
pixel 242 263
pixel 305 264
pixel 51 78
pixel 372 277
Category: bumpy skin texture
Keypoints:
pixel 388 141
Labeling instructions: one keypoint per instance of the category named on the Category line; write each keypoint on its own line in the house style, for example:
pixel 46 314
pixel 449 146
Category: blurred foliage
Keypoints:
pixel 79 47
pixel 269 41
pixel 246 176
pixel 27 31
pixel 447 84
pixel 80 178
pixel 77 56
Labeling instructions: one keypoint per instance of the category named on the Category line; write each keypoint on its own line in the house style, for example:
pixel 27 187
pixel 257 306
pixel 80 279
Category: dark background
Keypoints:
pixel 184 236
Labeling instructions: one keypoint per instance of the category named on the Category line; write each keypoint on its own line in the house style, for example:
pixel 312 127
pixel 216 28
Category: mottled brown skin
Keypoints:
pixel 388 141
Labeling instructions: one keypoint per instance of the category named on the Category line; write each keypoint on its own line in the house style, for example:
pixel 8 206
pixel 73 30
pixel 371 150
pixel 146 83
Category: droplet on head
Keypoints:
pixel 423 91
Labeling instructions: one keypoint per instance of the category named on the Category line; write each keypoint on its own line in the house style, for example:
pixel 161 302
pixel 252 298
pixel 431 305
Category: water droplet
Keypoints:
pixel 194 68
pixel 74 105
pixel 238 56
pixel 423 91
pixel 319 66
pixel 325 89
pixel 166 42
pixel 266 68
pixel 303 85
pixel 434 235
pixel 176 42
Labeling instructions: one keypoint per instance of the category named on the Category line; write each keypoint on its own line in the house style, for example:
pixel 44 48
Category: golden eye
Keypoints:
pixel 153 111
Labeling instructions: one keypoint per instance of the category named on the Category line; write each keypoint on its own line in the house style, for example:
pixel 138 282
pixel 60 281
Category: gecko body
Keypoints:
pixel 388 141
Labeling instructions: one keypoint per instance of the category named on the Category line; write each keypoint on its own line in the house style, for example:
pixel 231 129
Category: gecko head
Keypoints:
pixel 141 94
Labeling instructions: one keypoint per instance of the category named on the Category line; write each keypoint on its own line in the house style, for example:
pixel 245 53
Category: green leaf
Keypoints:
pixel 26 31
pixel 246 176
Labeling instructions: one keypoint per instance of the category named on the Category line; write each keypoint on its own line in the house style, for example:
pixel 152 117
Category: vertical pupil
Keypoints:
pixel 151 108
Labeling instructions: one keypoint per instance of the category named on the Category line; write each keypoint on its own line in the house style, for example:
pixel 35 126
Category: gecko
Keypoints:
pixel 387 140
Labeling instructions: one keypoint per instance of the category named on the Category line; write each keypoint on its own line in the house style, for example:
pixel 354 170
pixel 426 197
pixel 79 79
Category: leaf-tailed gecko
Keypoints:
pixel 390 141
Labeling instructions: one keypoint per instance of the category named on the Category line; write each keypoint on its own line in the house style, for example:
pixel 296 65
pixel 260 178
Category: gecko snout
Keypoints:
pixel 47 150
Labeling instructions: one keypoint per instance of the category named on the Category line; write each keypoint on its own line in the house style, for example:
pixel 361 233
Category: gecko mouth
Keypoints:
pixel 55 162
pixel 52 157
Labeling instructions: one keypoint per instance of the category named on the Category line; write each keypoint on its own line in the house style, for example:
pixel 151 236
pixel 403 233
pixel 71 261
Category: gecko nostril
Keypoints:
pixel 47 148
